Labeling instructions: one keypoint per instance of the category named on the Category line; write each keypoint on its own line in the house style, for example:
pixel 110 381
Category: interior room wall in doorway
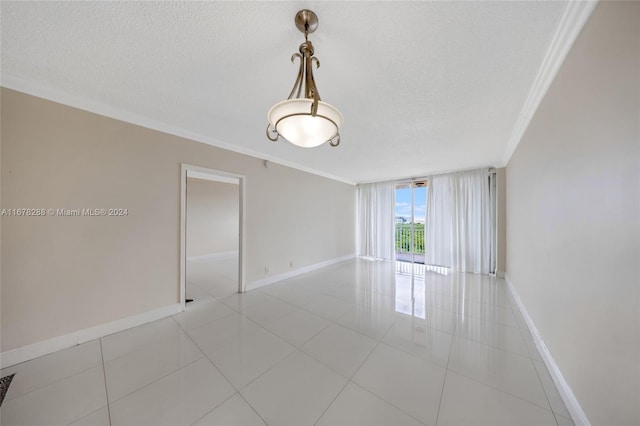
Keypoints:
pixel 212 244
pixel 212 218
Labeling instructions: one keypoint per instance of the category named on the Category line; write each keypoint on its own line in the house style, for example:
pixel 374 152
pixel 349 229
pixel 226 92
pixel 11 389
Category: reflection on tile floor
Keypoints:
pixel 356 343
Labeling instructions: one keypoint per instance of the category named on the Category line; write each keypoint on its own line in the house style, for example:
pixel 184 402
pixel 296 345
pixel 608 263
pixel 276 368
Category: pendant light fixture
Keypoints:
pixel 303 119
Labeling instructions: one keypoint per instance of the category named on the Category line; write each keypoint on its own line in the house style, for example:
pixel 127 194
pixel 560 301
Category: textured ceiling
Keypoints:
pixel 423 86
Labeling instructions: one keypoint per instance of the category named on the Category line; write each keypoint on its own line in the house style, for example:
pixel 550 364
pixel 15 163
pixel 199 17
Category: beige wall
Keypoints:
pixel 63 274
pixel 573 216
pixel 212 217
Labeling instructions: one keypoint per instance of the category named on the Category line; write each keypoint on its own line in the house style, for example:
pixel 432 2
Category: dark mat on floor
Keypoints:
pixel 4 386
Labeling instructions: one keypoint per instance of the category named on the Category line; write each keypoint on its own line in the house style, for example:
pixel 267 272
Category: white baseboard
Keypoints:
pixel 374 259
pixel 568 397
pixel 213 256
pixel 35 350
pixel 275 278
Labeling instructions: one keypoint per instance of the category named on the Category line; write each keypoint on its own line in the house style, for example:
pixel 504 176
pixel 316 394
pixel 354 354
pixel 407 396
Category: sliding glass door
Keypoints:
pixel 411 203
pixel 411 200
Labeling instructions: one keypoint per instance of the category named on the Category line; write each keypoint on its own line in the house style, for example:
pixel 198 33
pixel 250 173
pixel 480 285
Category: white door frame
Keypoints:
pixel 224 176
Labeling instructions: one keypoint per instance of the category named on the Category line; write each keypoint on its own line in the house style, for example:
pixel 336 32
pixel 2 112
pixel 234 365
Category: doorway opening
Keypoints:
pixel 211 234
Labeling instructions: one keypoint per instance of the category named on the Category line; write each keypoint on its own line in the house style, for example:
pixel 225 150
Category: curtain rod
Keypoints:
pixel 492 170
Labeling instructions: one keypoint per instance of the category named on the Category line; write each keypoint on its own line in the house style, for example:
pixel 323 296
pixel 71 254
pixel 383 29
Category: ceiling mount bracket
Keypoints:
pixel 306 21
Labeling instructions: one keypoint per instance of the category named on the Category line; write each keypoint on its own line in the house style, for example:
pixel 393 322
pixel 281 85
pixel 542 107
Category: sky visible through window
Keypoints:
pixel 403 203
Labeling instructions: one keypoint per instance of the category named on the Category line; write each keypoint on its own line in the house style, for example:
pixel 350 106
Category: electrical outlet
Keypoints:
pixel 266 270
pixel 290 264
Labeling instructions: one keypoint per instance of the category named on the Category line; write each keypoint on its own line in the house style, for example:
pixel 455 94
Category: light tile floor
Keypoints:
pixel 212 277
pixel 356 343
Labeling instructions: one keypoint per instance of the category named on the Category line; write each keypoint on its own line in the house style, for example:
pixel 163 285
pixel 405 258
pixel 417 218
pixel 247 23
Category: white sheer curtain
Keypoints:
pixel 376 217
pixel 460 223
pixel 439 221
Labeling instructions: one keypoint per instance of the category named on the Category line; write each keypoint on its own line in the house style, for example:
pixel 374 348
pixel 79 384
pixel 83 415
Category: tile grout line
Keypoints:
pixel 261 374
pixel 204 355
pixel 332 401
pixel 162 376
pixel 332 322
pixel 53 382
pixel 140 327
pixel 459 336
pixel 329 324
pixel 406 351
pixel 207 413
pixel 251 406
pixel 491 386
pixel 104 375
pixel 444 381
pixel 518 315
pixel 299 348
pixel 158 379
pixel 206 323
pixel 48 384
pixel 515 311
pixel 184 366
pixel 527 356
pixel 271 367
pixel 370 352
pixel 454 334
pixel 237 391
pixel 365 360
pixel 393 323
pixel 259 326
pixel 254 332
pixel 378 343
pixel 544 390
pixel 286 341
pixel 322 316
pixel 388 402
pixel 286 301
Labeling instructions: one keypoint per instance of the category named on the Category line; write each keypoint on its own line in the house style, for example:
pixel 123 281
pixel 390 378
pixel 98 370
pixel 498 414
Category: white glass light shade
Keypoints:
pixel 293 121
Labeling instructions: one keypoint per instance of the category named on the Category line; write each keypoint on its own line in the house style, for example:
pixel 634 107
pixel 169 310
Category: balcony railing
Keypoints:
pixel 403 238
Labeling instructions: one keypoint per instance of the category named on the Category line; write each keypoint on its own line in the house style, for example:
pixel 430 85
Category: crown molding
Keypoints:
pixel 55 95
pixel 571 23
